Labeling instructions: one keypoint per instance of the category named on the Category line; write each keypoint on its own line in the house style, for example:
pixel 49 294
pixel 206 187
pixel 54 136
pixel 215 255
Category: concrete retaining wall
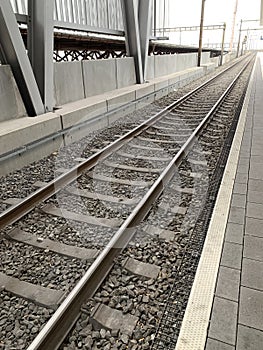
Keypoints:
pixel 11 104
pixel 205 58
pixel 74 81
pixel 215 60
pixel 228 57
pixel 68 82
pixel 125 72
pixel 99 76
pixel 77 80
pixel 160 65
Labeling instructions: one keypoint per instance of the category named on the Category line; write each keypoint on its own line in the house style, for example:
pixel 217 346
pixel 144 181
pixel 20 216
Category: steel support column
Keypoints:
pixel 154 18
pixel 132 35
pixel 222 45
pixel 261 13
pixel 199 56
pixel 41 47
pixel 239 38
pixel 145 11
pixel 13 52
pixel 233 26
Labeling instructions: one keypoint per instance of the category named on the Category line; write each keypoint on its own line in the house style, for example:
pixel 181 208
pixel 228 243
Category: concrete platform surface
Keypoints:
pixel 237 316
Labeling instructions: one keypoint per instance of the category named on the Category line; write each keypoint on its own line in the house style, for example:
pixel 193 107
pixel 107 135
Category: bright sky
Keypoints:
pixel 187 13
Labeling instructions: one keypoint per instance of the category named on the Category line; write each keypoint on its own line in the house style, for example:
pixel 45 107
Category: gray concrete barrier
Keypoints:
pixel 228 57
pixel 161 65
pixel 205 57
pixel 10 100
pixel 68 82
pixel 125 72
pixel 76 80
pixel 99 76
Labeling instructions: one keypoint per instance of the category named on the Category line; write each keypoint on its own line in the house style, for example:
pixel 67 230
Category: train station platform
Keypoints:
pixel 225 309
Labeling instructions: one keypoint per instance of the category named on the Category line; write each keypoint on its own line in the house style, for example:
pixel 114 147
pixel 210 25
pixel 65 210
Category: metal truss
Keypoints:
pixel 76 54
pixel 46 42
pixel 79 55
pixel 34 71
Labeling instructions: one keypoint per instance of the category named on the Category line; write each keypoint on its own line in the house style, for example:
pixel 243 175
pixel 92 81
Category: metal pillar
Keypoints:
pixel 13 52
pixel 40 47
pixel 261 13
pixel 233 26
pixel 222 46
pixel 132 34
pixel 154 18
pixel 239 38
pixel 145 7
pixel 201 34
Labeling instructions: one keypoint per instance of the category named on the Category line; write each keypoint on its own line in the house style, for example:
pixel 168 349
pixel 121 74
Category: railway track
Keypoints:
pixel 146 186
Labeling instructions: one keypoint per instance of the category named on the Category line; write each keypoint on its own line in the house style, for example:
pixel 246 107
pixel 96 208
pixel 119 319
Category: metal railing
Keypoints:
pixel 19 6
pixel 90 15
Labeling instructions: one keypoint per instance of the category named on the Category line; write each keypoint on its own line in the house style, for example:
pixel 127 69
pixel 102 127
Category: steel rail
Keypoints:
pixel 56 329
pixel 15 212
